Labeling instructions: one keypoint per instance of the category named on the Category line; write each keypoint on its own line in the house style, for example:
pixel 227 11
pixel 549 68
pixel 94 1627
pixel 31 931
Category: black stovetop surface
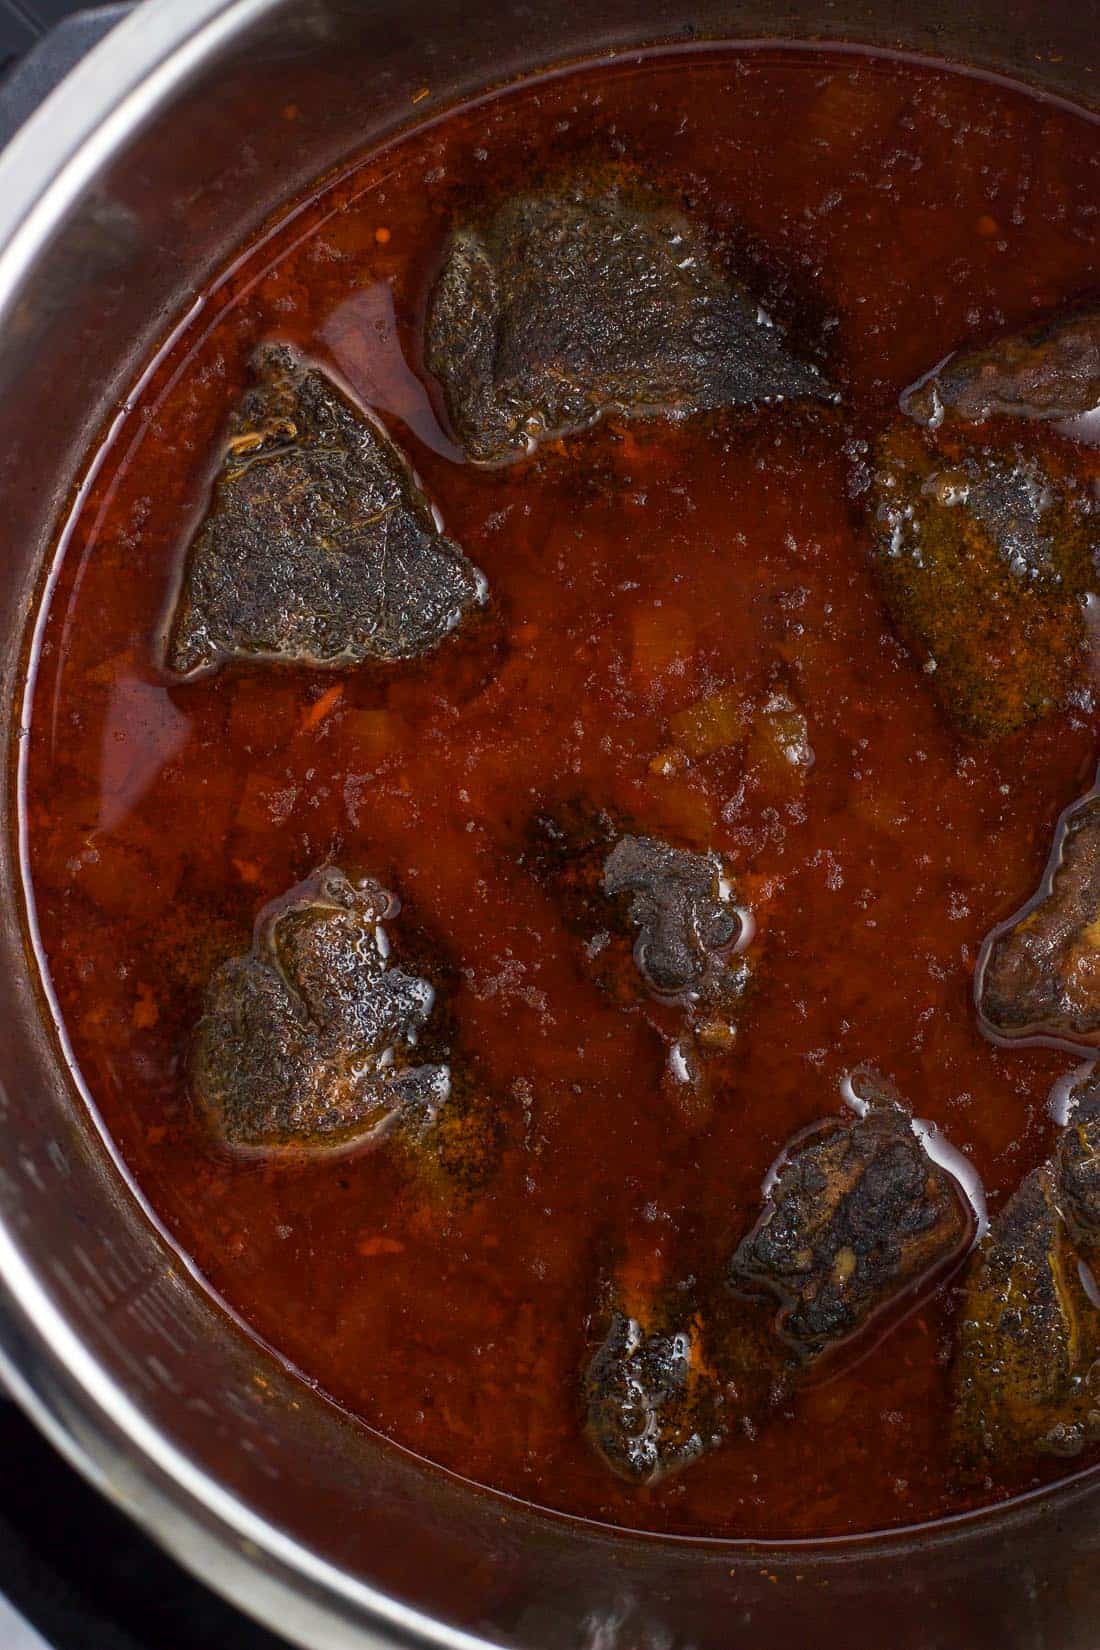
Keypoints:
pixel 71 1565
pixel 84 1576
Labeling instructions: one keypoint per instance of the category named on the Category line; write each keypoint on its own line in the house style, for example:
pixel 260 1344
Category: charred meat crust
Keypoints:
pixel 566 306
pixel 1077 1167
pixel 653 1406
pixel 676 905
pixel 858 1218
pixel 1038 977
pixel 1047 372
pixel 319 547
pixel 858 1215
pixel 309 1038
pixel 983 556
pixel 315 1040
pixel 1026 1373
pixel 679 902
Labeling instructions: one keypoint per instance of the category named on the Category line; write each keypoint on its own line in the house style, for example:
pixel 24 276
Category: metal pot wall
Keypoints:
pixel 335 1537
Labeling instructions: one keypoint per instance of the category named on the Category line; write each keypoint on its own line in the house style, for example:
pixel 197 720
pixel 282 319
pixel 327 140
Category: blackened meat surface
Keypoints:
pixel 680 904
pixel 319 547
pixel 858 1214
pixel 1040 971
pixel 1026 1376
pixel 1077 1166
pixel 566 306
pixel 308 1039
pixel 984 556
pixel 1049 372
pixel 858 1217
pixel 653 1405
pixel 674 904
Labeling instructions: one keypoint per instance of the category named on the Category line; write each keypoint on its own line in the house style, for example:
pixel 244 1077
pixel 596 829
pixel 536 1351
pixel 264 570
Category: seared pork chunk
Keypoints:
pixel 653 1405
pixel 565 306
pixel 1049 372
pixel 309 1038
pixel 1026 1377
pixel 858 1215
pixel 675 905
pixel 319 547
pixel 1039 975
pixel 984 556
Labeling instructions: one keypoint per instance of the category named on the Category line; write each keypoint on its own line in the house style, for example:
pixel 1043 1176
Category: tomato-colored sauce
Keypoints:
pixel 891 211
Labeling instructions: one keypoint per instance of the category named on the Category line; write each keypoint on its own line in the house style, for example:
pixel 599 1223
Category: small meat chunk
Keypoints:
pixel 983 556
pixel 1077 1167
pixel 653 1405
pixel 309 1039
pixel 319 547
pixel 1039 973
pixel 1048 372
pixel 858 1217
pixel 566 306
pixel 1026 1376
pixel 858 1214
pixel 681 904
pixel 676 904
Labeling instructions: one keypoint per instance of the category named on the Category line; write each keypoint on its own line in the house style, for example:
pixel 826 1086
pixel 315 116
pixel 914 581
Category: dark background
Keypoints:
pixel 23 22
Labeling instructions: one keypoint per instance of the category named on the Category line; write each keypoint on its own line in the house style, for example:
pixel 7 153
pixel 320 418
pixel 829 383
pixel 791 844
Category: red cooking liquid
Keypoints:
pixel 891 210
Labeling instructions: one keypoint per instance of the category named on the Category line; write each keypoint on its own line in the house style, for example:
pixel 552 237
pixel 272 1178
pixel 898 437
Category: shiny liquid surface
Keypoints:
pixel 885 213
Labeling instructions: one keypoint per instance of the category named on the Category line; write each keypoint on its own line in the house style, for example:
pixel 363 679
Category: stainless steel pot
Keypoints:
pixel 158 156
